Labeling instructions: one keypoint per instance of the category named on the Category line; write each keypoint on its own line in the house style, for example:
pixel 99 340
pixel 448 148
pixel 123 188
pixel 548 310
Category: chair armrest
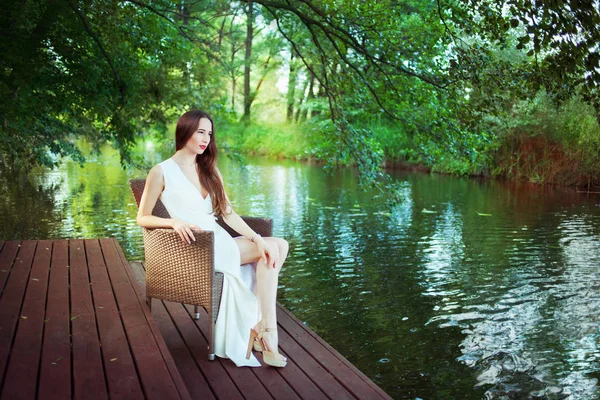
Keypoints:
pixel 178 271
pixel 262 226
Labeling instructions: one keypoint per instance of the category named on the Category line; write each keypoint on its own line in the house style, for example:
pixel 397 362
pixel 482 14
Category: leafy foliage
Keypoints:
pixel 103 71
pixel 448 76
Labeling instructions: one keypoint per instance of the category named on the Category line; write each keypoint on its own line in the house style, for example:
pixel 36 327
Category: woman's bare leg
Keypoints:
pixel 266 283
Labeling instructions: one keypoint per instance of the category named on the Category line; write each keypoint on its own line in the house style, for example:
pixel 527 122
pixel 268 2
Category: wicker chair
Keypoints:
pixel 185 273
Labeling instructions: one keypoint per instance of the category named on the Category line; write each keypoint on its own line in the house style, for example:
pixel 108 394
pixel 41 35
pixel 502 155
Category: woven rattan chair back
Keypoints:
pixel 137 187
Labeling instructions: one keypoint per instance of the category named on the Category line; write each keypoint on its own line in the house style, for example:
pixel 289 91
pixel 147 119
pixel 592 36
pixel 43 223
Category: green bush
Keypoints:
pixel 547 142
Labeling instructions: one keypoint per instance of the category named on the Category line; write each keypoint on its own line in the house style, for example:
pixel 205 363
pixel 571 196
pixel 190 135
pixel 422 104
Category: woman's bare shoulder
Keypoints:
pixel 155 176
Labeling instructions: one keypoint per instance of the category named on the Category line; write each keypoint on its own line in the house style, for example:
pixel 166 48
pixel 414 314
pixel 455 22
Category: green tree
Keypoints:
pixel 110 70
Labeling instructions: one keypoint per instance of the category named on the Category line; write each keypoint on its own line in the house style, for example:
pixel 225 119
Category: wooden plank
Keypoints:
pixel 122 379
pixel 294 380
pixel 7 258
pixel 325 381
pixel 245 378
pixel 55 367
pixel 278 386
pixel 21 376
pixel 307 375
pixel 221 384
pixel 194 380
pixel 274 382
pixel 12 296
pixel 88 370
pixel 216 375
pixel 365 378
pixel 166 354
pixel 299 382
pixel 149 360
pixel 344 374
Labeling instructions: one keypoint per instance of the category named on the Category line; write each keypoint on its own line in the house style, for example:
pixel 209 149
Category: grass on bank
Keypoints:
pixel 271 140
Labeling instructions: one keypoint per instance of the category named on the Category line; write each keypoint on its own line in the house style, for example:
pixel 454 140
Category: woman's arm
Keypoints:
pixel 155 184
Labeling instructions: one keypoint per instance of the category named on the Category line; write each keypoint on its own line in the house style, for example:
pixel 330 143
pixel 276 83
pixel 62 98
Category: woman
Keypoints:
pixel 190 186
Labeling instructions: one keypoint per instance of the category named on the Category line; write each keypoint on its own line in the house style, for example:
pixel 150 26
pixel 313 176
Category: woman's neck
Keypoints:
pixel 184 158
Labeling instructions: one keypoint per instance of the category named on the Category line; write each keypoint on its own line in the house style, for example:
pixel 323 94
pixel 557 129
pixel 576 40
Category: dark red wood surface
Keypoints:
pixel 73 324
pixel 55 366
pixel 20 380
pixel 88 369
pixel 314 371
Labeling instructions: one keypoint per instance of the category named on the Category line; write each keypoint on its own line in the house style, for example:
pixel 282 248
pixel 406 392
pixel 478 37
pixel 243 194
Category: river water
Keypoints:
pixel 470 289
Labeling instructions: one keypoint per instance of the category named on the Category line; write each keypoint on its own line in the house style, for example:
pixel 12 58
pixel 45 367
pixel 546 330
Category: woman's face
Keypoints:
pixel 198 142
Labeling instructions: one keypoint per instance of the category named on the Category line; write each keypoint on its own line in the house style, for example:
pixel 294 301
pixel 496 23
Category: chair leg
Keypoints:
pixel 211 336
pixel 196 312
pixel 149 303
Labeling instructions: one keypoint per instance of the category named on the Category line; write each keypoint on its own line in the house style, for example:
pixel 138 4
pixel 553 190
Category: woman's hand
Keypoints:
pixel 269 252
pixel 184 230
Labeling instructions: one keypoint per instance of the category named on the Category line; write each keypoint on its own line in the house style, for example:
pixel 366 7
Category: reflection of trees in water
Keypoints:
pixel 27 207
pixel 487 276
pixel 71 202
pixel 499 343
pixel 97 202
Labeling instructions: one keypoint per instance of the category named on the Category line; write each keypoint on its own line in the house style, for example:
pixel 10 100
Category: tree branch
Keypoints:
pixel 345 37
pixel 86 26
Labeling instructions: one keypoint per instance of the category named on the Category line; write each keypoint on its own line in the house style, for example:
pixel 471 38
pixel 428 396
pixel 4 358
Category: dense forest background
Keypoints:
pixel 498 88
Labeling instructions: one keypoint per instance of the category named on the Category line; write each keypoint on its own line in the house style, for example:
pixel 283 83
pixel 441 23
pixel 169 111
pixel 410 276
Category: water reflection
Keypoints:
pixel 27 209
pixel 467 289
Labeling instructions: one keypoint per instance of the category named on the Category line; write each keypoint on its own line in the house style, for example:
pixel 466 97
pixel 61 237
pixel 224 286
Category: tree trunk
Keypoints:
pixel 233 93
pixel 247 94
pixel 301 107
pixel 309 97
pixel 291 88
pixel 321 95
pixel 185 13
pixel 184 17
pixel 221 33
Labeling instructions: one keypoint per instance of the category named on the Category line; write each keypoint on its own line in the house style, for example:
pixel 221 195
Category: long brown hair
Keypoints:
pixel 186 126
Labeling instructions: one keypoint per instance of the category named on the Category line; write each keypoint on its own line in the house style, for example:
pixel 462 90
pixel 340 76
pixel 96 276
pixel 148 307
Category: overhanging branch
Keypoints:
pixel 96 38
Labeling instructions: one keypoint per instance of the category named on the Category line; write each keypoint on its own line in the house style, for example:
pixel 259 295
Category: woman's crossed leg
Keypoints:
pixel 266 282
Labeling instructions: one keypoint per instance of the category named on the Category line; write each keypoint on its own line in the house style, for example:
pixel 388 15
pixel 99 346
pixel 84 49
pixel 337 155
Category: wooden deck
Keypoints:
pixel 314 370
pixel 74 324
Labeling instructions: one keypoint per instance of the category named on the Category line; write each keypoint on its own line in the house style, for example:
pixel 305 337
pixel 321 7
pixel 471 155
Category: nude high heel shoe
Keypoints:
pixel 269 357
pixel 257 346
pixel 253 340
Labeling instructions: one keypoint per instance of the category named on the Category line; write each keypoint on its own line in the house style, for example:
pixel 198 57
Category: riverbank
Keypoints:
pixel 537 160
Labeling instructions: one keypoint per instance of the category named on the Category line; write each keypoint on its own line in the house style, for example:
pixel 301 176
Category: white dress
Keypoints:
pixel 239 310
